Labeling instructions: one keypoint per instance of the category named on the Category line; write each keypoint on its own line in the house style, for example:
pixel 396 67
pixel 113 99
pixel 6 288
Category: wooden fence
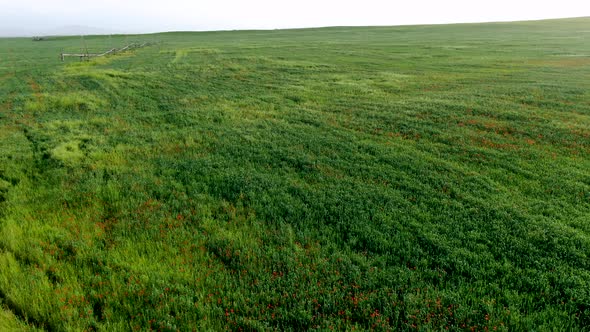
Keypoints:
pixel 83 56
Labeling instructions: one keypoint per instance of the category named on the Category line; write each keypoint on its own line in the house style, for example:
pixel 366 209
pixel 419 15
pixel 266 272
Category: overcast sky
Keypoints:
pixel 166 15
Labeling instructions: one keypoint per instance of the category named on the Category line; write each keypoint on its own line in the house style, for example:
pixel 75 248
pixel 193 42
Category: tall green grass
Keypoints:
pixel 386 178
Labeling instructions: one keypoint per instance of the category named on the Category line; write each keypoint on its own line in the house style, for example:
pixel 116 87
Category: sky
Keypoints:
pixel 135 16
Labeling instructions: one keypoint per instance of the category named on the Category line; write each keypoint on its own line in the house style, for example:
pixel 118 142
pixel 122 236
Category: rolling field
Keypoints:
pixel 379 178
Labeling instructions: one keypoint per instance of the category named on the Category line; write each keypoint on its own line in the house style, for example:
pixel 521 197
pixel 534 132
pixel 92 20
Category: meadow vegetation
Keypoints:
pixel 371 178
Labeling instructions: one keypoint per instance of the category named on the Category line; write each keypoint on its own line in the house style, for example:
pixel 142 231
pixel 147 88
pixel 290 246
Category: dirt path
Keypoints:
pixel 7 105
pixel 36 89
pixel 6 76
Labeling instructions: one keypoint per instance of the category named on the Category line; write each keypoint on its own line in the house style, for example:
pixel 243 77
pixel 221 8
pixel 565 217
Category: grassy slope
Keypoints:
pixel 394 177
pixel 10 323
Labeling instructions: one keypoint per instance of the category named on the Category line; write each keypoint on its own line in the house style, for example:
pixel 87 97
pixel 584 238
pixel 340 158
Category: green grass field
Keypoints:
pixel 378 178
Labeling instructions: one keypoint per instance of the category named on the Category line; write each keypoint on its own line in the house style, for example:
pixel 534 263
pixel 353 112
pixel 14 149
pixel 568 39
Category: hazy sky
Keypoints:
pixel 158 15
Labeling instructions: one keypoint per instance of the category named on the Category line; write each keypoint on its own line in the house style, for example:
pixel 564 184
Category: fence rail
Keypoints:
pixel 83 56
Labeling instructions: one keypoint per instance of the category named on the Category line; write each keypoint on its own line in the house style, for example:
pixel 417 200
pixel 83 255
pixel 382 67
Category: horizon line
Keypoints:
pixel 27 35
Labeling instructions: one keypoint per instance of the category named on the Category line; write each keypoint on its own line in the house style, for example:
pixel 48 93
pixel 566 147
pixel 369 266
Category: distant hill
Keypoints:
pixel 74 30
pixel 13 32
pixel 71 30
